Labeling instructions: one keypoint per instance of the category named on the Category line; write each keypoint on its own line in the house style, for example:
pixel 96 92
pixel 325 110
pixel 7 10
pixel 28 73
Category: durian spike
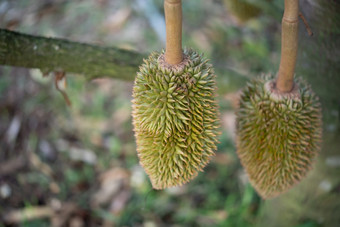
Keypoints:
pixel 173 23
pixel 289 46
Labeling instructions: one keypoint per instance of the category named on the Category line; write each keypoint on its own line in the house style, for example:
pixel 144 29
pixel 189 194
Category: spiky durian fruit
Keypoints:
pixel 175 117
pixel 278 134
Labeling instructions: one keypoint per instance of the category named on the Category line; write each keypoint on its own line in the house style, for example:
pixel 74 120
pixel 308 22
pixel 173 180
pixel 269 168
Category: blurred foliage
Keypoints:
pixel 242 10
pixel 94 177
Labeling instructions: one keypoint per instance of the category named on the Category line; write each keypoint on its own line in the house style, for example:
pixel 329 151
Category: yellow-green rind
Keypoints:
pixel 175 117
pixel 277 137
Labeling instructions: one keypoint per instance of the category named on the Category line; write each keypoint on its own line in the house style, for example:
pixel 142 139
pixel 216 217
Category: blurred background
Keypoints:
pixel 77 166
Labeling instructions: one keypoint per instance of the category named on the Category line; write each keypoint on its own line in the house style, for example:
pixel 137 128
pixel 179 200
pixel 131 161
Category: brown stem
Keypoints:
pixel 289 46
pixel 58 77
pixel 309 30
pixel 173 21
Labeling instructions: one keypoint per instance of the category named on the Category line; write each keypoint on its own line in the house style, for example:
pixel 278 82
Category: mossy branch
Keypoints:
pixel 91 61
pixel 50 54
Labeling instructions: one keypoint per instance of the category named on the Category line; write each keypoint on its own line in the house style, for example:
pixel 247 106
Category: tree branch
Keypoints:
pixel 50 54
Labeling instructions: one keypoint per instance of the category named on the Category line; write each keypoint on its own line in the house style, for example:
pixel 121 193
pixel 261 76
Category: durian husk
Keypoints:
pixel 278 134
pixel 175 117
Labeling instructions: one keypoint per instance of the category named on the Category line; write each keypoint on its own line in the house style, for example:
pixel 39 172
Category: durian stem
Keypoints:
pixel 289 46
pixel 173 21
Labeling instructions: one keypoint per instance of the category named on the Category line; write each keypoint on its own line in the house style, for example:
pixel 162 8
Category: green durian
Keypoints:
pixel 278 134
pixel 175 117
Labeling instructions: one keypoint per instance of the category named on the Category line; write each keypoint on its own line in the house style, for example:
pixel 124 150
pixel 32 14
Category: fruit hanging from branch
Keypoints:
pixel 279 120
pixel 175 114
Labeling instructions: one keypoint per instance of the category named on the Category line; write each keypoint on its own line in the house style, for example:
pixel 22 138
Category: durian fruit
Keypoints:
pixel 279 121
pixel 278 134
pixel 175 116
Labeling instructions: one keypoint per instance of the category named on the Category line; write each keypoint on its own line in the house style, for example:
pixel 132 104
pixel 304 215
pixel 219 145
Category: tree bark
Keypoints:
pixel 50 54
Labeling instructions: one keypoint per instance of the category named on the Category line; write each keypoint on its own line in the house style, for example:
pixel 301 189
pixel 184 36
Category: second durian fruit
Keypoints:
pixel 175 117
pixel 278 134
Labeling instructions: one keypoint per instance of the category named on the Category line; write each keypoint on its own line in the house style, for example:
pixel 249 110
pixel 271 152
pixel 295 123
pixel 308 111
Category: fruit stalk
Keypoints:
pixel 289 46
pixel 173 21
